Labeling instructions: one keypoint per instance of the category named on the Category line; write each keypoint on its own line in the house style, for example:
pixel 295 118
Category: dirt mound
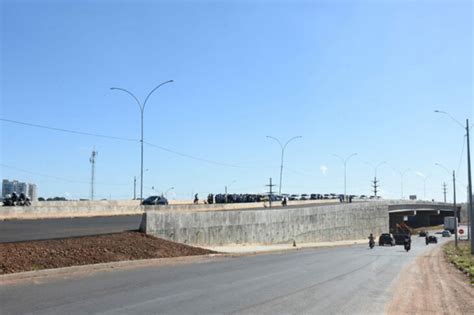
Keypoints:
pixel 431 285
pixel 36 255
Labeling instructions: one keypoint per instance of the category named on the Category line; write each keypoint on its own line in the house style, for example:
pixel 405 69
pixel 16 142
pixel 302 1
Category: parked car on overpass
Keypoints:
pixel 294 197
pixel 154 201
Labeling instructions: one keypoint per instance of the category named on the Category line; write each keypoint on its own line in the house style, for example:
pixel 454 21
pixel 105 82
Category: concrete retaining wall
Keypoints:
pixel 269 226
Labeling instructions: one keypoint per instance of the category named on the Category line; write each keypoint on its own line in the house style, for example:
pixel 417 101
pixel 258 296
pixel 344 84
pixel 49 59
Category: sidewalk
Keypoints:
pixel 258 248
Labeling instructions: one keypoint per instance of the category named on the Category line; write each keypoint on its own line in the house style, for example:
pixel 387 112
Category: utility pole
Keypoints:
pixel 375 181
pixel 270 193
pixel 134 188
pixel 375 186
pixel 92 161
pixel 455 211
pixel 444 191
pixel 470 212
pixel 225 188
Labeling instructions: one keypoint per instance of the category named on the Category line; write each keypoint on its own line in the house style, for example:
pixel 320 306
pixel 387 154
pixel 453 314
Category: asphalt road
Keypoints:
pixel 342 280
pixel 27 230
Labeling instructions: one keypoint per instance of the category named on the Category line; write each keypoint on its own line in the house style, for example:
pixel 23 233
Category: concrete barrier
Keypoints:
pixel 269 226
pixel 66 209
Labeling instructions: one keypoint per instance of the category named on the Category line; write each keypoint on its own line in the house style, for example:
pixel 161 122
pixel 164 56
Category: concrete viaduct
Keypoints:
pixel 417 214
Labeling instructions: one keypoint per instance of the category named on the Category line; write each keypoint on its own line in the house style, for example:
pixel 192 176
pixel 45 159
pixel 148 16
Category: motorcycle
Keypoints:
pixel 371 244
pixel 407 246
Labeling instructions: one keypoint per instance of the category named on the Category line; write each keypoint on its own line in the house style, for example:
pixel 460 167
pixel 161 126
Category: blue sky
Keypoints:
pixel 348 76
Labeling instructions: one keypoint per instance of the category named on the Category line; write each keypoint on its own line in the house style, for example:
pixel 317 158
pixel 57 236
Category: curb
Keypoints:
pixel 116 265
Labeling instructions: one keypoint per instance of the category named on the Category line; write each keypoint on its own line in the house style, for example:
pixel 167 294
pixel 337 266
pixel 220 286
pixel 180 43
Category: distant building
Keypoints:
pixel 30 190
pixel 8 187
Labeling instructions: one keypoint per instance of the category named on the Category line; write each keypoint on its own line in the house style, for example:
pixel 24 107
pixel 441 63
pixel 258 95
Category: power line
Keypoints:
pixel 58 178
pixel 191 157
pixel 44 175
pixel 68 130
pixel 123 139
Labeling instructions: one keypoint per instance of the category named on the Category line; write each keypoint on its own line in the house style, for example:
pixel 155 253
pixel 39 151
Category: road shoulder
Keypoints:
pixel 431 285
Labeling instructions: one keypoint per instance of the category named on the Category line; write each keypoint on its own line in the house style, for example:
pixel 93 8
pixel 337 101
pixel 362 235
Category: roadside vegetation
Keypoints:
pixel 461 257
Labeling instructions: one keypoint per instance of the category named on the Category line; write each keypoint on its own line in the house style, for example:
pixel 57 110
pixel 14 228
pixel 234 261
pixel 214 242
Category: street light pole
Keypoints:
pixel 229 186
pixel 424 187
pixel 282 154
pixel 470 211
pixel 424 184
pixel 402 174
pixel 345 168
pixel 142 110
pixel 444 192
pixel 455 210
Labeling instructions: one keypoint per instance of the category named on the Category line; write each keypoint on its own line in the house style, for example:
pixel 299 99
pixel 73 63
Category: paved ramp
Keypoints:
pixel 28 230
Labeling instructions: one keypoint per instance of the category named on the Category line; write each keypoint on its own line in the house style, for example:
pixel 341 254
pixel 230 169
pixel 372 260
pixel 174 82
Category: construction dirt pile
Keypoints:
pixel 36 255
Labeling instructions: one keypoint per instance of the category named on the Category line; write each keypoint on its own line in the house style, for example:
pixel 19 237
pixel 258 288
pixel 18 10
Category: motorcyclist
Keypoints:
pixel 407 242
pixel 284 202
pixel 371 240
pixel 14 197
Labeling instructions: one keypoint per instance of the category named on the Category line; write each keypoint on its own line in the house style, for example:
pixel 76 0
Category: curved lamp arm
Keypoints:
pixel 452 118
pixel 270 137
pixel 156 88
pixel 296 137
pixel 129 93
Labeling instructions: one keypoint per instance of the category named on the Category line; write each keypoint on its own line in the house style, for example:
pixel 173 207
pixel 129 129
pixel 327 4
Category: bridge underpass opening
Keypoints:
pixel 418 218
